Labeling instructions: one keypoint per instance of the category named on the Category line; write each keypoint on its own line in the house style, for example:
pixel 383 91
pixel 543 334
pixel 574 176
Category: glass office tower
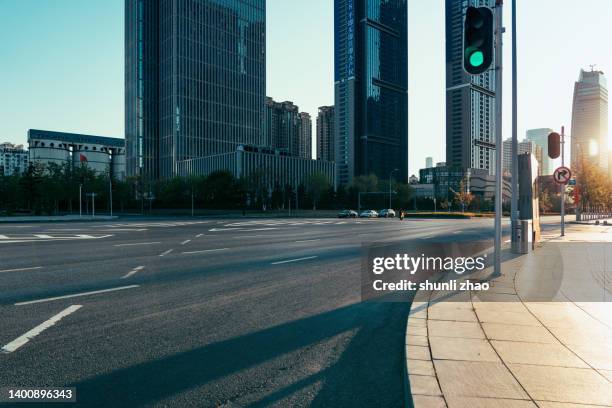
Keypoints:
pixel 194 80
pixel 371 88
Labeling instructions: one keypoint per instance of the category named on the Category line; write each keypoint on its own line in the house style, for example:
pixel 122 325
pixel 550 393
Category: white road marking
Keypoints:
pixel 186 242
pixel 52 239
pixel 167 252
pixel 25 338
pixel 43 236
pixel 309 240
pixel 138 243
pixel 206 250
pixel 294 260
pixel 95 292
pixel 133 272
pixel 3 237
pixel 248 236
pixel 199 235
pixel 21 269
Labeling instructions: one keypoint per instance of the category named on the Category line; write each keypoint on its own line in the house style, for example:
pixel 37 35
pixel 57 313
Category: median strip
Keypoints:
pixel 294 260
pixel 204 251
pixel 21 269
pixel 25 338
pixel 137 243
pixel 95 292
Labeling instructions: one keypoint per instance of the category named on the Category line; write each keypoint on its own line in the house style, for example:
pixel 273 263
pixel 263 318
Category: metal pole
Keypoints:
pixel 562 185
pixel 515 188
pixel 80 205
pixel 192 201
pixel 110 192
pixel 390 189
pixel 93 205
pixel 499 9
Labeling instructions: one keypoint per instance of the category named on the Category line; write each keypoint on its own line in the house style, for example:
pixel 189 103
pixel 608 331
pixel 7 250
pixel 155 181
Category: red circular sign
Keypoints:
pixel 562 175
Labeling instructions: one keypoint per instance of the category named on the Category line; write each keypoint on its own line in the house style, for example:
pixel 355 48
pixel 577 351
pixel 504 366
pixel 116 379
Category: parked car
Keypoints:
pixel 368 214
pixel 347 214
pixel 387 213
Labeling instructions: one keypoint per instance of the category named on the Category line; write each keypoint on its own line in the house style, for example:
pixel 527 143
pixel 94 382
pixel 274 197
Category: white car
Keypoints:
pixel 386 213
pixel 368 214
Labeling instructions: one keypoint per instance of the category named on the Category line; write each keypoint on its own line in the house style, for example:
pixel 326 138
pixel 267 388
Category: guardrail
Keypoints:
pixel 591 213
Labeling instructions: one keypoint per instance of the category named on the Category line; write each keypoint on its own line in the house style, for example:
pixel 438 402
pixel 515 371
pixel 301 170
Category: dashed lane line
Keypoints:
pixel 137 243
pixel 95 292
pixel 133 272
pixel 294 260
pixel 186 242
pixel 166 253
pixel 20 269
pixel 205 251
pixel 26 337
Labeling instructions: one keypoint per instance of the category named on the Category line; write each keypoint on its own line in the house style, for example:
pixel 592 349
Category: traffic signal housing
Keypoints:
pixel 554 145
pixel 478 40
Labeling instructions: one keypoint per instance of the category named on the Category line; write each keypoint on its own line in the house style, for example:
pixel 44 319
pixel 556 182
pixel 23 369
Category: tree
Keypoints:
pixel 316 184
pixel 463 197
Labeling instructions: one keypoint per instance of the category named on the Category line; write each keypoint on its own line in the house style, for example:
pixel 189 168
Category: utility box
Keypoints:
pixel 524 237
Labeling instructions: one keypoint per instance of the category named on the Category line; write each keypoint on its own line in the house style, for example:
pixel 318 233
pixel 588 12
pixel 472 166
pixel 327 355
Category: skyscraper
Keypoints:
pixel 470 100
pixel 305 136
pixel 540 137
pixel 325 133
pixel 194 80
pixel 590 119
pixel 526 146
pixel 371 88
pixel 428 162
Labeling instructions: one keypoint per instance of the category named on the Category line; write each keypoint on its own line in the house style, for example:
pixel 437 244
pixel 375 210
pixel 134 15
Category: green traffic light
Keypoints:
pixel 476 59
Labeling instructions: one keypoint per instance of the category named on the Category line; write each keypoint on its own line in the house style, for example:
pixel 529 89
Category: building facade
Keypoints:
pixel 305 150
pixel 325 134
pixel 283 127
pixel 257 165
pixel 540 137
pixel 194 80
pixel 371 88
pixel 470 100
pixel 590 120
pixel 13 159
pixel 429 162
pixel 526 146
pixel 99 153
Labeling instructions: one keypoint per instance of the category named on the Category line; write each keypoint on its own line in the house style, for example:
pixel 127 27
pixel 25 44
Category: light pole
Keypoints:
pixel 515 188
pixel 80 197
pixel 110 193
pixel 390 175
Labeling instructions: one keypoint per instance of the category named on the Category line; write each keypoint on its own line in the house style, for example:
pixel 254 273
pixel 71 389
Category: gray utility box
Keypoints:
pixel 524 237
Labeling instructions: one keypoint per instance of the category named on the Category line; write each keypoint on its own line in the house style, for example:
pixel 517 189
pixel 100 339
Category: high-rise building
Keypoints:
pixel 282 126
pixel 371 88
pixel 305 136
pixel 526 146
pixel 429 162
pixel 13 159
pixel 540 137
pixel 195 80
pixel 325 133
pixel 470 100
pixel 590 119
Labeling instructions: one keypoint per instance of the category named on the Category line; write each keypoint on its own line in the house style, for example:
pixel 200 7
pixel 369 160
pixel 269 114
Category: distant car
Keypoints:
pixel 368 214
pixel 347 214
pixel 387 213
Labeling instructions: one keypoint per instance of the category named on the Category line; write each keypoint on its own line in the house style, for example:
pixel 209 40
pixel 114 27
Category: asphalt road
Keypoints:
pixel 205 313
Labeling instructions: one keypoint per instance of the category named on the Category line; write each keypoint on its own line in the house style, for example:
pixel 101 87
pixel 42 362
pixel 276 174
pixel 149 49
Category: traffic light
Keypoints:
pixel 554 145
pixel 478 40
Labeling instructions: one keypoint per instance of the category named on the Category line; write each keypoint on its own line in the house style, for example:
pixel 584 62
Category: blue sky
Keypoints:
pixel 62 65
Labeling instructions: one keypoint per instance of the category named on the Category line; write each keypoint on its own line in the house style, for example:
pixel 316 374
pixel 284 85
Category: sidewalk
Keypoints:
pixel 506 352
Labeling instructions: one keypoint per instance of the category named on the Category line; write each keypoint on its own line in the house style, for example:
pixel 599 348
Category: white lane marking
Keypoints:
pixel 21 240
pixel 309 240
pixel 95 292
pixel 294 260
pixel 20 269
pixel 133 272
pixel 25 338
pixel 206 250
pixel 43 236
pixel 186 242
pixel 167 252
pixel 249 236
pixel 199 235
pixel 138 243
pixel 3 237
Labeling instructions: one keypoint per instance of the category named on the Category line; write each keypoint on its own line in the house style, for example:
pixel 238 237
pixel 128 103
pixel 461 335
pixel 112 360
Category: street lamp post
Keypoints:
pixel 80 197
pixel 390 175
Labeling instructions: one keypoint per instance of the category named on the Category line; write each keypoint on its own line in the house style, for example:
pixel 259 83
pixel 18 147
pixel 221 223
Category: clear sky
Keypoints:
pixel 61 64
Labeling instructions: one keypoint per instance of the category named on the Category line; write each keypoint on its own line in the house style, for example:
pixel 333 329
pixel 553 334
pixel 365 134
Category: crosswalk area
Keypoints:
pixel 292 223
pixel 157 224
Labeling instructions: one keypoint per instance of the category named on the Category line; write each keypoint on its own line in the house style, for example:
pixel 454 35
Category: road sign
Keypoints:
pixel 572 182
pixel 562 175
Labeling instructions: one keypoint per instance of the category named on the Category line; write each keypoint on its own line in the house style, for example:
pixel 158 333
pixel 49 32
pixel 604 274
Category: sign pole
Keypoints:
pixel 499 7
pixel 562 186
pixel 514 215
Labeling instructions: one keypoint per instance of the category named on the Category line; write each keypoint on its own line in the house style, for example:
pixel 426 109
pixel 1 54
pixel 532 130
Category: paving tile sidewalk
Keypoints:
pixel 511 353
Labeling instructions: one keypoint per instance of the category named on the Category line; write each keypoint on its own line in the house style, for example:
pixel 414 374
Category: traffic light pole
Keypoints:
pixel 514 212
pixel 499 9
pixel 562 186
